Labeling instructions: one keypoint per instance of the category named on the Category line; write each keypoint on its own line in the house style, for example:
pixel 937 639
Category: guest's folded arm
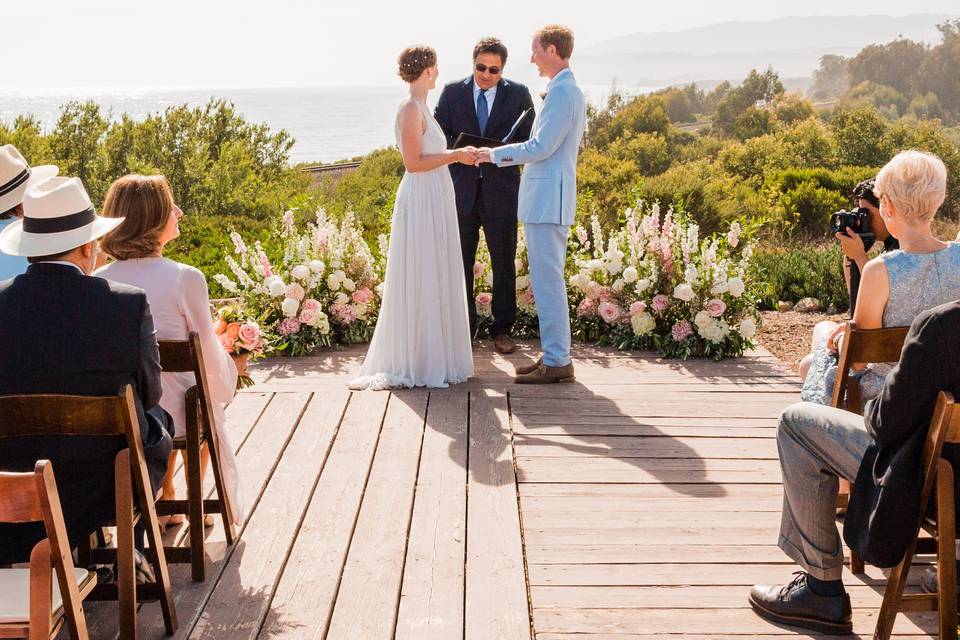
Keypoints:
pixel 907 400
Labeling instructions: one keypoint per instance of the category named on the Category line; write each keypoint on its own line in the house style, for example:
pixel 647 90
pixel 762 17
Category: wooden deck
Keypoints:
pixel 640 502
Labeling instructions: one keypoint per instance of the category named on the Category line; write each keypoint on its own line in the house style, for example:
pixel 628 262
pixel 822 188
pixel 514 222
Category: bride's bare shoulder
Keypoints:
pixel 409 114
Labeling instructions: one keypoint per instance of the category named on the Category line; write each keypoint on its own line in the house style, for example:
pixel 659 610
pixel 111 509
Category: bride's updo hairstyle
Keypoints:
pixel 414 60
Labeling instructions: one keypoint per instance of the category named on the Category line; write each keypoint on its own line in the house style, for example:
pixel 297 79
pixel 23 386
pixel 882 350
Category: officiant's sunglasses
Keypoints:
pixel 494 71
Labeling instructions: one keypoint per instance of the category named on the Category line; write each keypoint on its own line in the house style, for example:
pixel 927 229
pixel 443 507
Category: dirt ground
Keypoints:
pixel 787 335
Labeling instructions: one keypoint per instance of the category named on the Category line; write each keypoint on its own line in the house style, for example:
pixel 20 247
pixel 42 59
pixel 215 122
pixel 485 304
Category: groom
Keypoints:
pixel 548 198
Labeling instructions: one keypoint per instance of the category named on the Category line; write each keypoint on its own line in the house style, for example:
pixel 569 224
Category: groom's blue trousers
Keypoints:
pixel 547 255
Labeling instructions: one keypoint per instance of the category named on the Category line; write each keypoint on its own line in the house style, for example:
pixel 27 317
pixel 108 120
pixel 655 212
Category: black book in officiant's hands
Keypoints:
pixel 470 140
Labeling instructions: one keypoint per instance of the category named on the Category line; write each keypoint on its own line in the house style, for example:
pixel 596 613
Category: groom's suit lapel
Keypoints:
pixel 466 92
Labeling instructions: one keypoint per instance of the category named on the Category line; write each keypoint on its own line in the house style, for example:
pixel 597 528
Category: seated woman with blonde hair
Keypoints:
pixel 179 303
pixel 896 286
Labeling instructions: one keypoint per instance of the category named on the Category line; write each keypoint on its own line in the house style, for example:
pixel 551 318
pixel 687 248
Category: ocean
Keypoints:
pixel 328 123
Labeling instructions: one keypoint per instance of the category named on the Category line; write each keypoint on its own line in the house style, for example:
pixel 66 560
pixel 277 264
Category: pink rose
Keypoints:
pixel 715 307
pixel 682 330
pixel 528 296
pixel 638 307
pixel 604 294
pixel 478 268
pixel 295 291
pixel 586 308
pixel 363 296
pixel 307 316
pixel 219 326
pixel 609 311
pixel 312 304
pixel 660 303
pixel 288 327
pixel 226 342
pixel 484 299
pixel 249 336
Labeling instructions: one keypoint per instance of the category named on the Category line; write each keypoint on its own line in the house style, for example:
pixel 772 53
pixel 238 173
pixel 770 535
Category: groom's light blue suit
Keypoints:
pixel 547 204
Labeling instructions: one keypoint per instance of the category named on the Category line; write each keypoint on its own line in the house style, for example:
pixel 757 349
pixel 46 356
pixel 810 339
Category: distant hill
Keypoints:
pixel 792 46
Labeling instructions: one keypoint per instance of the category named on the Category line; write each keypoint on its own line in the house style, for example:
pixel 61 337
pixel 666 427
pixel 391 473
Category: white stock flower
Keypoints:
pixel 275 286
pixel 317 266
pixel 595 265
pixel 748 328
pixel 643 285
pixel 290 307
pixel 691 274
pixel 322 323
pixel 642 323
pixel 719 287
pixel 227 283
pixel 518 263
pixel 735 286
pixel 523 282
pixel 683 292
pixel 379 289
pixel 349 284
pixel 342 298
pixel 300 272
pixel 630 274
pixel 617 286
pixel 489 278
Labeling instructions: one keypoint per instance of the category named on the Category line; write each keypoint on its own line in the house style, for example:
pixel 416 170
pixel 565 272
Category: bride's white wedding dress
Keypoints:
pixel 422 338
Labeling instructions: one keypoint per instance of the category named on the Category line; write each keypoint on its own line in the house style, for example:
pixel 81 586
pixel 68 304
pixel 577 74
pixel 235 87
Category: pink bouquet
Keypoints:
pixel 241 338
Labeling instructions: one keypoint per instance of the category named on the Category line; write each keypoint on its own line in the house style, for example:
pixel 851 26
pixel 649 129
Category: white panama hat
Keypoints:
pixel 57 217
pixel 16 176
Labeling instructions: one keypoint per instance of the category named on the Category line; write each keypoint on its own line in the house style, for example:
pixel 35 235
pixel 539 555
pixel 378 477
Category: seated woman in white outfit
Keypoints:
pixel 179 303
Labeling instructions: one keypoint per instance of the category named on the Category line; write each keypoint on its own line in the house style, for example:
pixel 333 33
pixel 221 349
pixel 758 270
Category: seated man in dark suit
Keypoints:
pixel 67 332
pixel 487 104
pixel 819 444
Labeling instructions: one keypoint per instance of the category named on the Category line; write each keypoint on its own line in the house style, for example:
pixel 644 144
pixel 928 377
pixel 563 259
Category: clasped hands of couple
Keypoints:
pixel 473 155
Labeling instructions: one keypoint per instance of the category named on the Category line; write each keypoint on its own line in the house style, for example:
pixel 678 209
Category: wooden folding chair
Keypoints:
pixel 187 356
pixel 67 415
pixel 32 605
pixel 937 472
pixel 863 346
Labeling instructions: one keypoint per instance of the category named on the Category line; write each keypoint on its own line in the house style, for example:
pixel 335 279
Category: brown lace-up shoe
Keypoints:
pixel 547 375
pixel 529 368
pixel 504 343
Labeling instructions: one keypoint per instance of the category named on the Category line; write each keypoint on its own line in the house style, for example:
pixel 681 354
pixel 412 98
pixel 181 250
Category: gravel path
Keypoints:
pixel 787 335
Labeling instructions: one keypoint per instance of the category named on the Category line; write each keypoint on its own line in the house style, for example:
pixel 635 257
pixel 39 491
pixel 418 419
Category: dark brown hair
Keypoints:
pixel 413 61
pixel 559 36
pixel 491 45
pixel 146 204
pixel 16 212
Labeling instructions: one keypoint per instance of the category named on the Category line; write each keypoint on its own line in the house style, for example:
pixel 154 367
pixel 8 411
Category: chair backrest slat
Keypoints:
pixel 19 500
pixel 51 414
pixel 945 421
pixel 177 356
pixel 184 356
pixel 864 346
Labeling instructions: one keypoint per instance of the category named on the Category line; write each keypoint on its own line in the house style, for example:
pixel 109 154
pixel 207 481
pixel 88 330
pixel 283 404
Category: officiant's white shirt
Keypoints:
pixel 491 96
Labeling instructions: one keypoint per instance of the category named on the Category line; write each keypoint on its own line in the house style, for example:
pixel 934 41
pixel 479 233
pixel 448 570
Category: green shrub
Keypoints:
pixel 798 272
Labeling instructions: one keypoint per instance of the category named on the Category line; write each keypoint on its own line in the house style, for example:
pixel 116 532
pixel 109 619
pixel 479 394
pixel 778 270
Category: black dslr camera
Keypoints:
pixel 858 221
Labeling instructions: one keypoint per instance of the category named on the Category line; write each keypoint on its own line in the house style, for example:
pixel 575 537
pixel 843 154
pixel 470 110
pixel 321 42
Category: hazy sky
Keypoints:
pixel 243 43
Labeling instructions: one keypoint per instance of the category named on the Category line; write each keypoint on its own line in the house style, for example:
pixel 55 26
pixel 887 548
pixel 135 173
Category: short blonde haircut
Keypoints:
pixel 916 183
pixel 146 203
pixel 559 36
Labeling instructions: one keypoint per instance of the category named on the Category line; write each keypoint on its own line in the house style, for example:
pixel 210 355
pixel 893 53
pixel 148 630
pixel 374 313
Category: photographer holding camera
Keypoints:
pixel 857 230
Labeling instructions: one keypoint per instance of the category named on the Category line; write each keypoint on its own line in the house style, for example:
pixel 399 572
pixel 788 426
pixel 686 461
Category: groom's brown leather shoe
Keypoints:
pixel 547 375
pixel 529 368
pixel 504 343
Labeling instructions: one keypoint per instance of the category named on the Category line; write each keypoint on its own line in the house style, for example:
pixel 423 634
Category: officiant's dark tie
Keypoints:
pixel 483 113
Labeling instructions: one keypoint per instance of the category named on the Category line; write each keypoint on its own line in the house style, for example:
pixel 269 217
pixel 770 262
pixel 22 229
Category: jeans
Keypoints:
pixel 817 445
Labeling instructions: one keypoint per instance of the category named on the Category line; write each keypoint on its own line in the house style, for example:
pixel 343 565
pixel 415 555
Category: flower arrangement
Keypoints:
pixel 525 325
pixel 241 338
pixel 654 283
pixel 324 289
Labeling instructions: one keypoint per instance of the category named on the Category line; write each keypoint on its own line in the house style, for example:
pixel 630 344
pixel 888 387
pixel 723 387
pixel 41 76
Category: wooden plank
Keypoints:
pixel 496 595
pixel 625 428
pixel 377 551
pixel 711 622
pixel 767 408
pixel 643 387
pixel 642 447
pixel 536 420
pixel 590 520
pixel 256 463
pixel 725 551
pixel 704 495
pixel 650 534
pixel 431 598
pixel 239 602
pixel 642 470
pixel 304 598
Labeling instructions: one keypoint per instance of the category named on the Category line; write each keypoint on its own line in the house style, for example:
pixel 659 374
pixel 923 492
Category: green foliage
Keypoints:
pixel 793 273
pixel 859 134
pixel 830 80
pixel 644 114
pixel 757 88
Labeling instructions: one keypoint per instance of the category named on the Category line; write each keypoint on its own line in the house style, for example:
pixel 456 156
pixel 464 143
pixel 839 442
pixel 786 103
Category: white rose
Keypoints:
pixel 643 285
pixel 289 307
pixel 360 310
pixel 275 286
pixel 617 285
pixel 690 274
pixel 748 328
pixel 593 289
pixel 595 265
pixel 342 298
pixel 703 319
pixel 523 282
pixel 518 263
pixel 630 274
pixel 683 292
pixel 379 289
pixel 322 323
pixel 336 263
pixel 614 267
pixel 333 282
pixel 642 323
pixel 349 284
pixel 317 266
pixel 489 278
pixel 719 288
pixel 300 272
pixel 735 286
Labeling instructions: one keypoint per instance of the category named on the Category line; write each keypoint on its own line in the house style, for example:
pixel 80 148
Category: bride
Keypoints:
pixel 422 338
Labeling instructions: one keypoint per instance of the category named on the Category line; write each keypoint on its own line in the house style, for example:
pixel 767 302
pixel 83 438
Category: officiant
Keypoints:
pixel 488 105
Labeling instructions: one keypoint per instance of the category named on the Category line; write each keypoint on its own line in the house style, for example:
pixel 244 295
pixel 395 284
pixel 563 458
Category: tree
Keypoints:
pixel 830 80
pixel 757 89
pixel 894 64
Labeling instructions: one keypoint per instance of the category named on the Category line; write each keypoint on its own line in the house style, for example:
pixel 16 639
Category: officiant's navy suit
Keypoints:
pixel 65 332
pixel 487 196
